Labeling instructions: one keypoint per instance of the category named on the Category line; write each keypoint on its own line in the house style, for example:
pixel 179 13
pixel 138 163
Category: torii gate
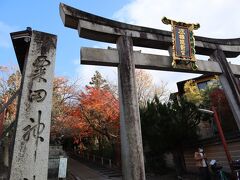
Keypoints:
pixel 125 36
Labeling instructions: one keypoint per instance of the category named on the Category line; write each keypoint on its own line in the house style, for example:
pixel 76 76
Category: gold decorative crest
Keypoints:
pixel 183 41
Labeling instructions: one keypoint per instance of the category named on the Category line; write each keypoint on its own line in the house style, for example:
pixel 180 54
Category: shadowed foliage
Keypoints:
pixel 169 128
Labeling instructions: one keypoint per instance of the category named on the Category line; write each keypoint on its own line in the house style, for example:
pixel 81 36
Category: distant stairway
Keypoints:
pixel 105 170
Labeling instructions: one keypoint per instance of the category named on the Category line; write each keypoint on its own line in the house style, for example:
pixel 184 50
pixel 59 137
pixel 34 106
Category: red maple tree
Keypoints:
pixel 100 109
pixel 219 101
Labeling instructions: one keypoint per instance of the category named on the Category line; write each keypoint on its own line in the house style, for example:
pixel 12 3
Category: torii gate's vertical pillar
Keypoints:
pixel 31 145
pixel 230 86
pixel 131 138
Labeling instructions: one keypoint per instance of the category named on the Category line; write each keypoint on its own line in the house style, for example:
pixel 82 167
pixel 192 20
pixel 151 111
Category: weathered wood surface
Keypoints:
pixel 109 57
pixel 102 29
pixel 31 145
pixel 130 127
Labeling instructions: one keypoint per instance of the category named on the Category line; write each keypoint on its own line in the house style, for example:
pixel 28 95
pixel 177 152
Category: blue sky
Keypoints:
pixel 218 19
pixel 44 16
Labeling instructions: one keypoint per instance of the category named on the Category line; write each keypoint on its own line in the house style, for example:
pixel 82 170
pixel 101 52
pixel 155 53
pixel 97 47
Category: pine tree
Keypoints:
pixel 97 81
pixel 173 125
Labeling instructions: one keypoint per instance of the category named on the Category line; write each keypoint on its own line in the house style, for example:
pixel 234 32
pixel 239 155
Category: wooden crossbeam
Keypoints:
pixel 102 29
pixel 109 57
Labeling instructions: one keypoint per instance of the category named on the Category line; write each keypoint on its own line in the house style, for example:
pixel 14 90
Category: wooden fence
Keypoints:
pixel 214 150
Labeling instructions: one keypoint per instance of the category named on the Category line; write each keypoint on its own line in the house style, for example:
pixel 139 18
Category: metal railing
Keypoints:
pixel 97 159
pixel 107 162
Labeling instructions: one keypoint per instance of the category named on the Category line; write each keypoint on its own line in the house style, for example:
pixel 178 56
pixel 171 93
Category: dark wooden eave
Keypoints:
pixel 21 41
pixel 102 29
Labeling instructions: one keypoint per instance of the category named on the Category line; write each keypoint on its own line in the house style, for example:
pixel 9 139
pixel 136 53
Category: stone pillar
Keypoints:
pixel 31 145
pixel 229 83
pixel 130 127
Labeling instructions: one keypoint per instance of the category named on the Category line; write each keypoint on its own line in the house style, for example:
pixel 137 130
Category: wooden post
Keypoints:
pixel 130 128
pixel 229 83
pixel 31 145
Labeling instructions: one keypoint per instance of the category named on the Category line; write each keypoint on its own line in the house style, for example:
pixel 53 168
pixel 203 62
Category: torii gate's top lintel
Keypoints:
pixel 102 29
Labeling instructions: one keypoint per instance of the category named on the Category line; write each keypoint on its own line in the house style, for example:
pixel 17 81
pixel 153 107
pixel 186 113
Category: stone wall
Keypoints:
pixel 53 164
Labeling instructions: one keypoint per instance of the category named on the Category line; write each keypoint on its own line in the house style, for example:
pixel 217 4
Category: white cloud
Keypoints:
pixel 85 72
pixel 218 19
pixel 5 31
pixel 170 78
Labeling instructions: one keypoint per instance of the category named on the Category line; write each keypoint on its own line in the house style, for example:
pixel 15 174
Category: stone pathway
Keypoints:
pixel 78 170
pixel 81 170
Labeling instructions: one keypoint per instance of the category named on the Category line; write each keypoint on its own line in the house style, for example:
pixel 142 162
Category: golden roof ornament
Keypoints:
pixel 183 42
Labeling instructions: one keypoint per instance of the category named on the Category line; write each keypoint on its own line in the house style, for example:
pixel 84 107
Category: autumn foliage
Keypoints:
pixel 9 83
pixel 219 101
pixel 212 95
pixel 100 108
pixel 90 116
